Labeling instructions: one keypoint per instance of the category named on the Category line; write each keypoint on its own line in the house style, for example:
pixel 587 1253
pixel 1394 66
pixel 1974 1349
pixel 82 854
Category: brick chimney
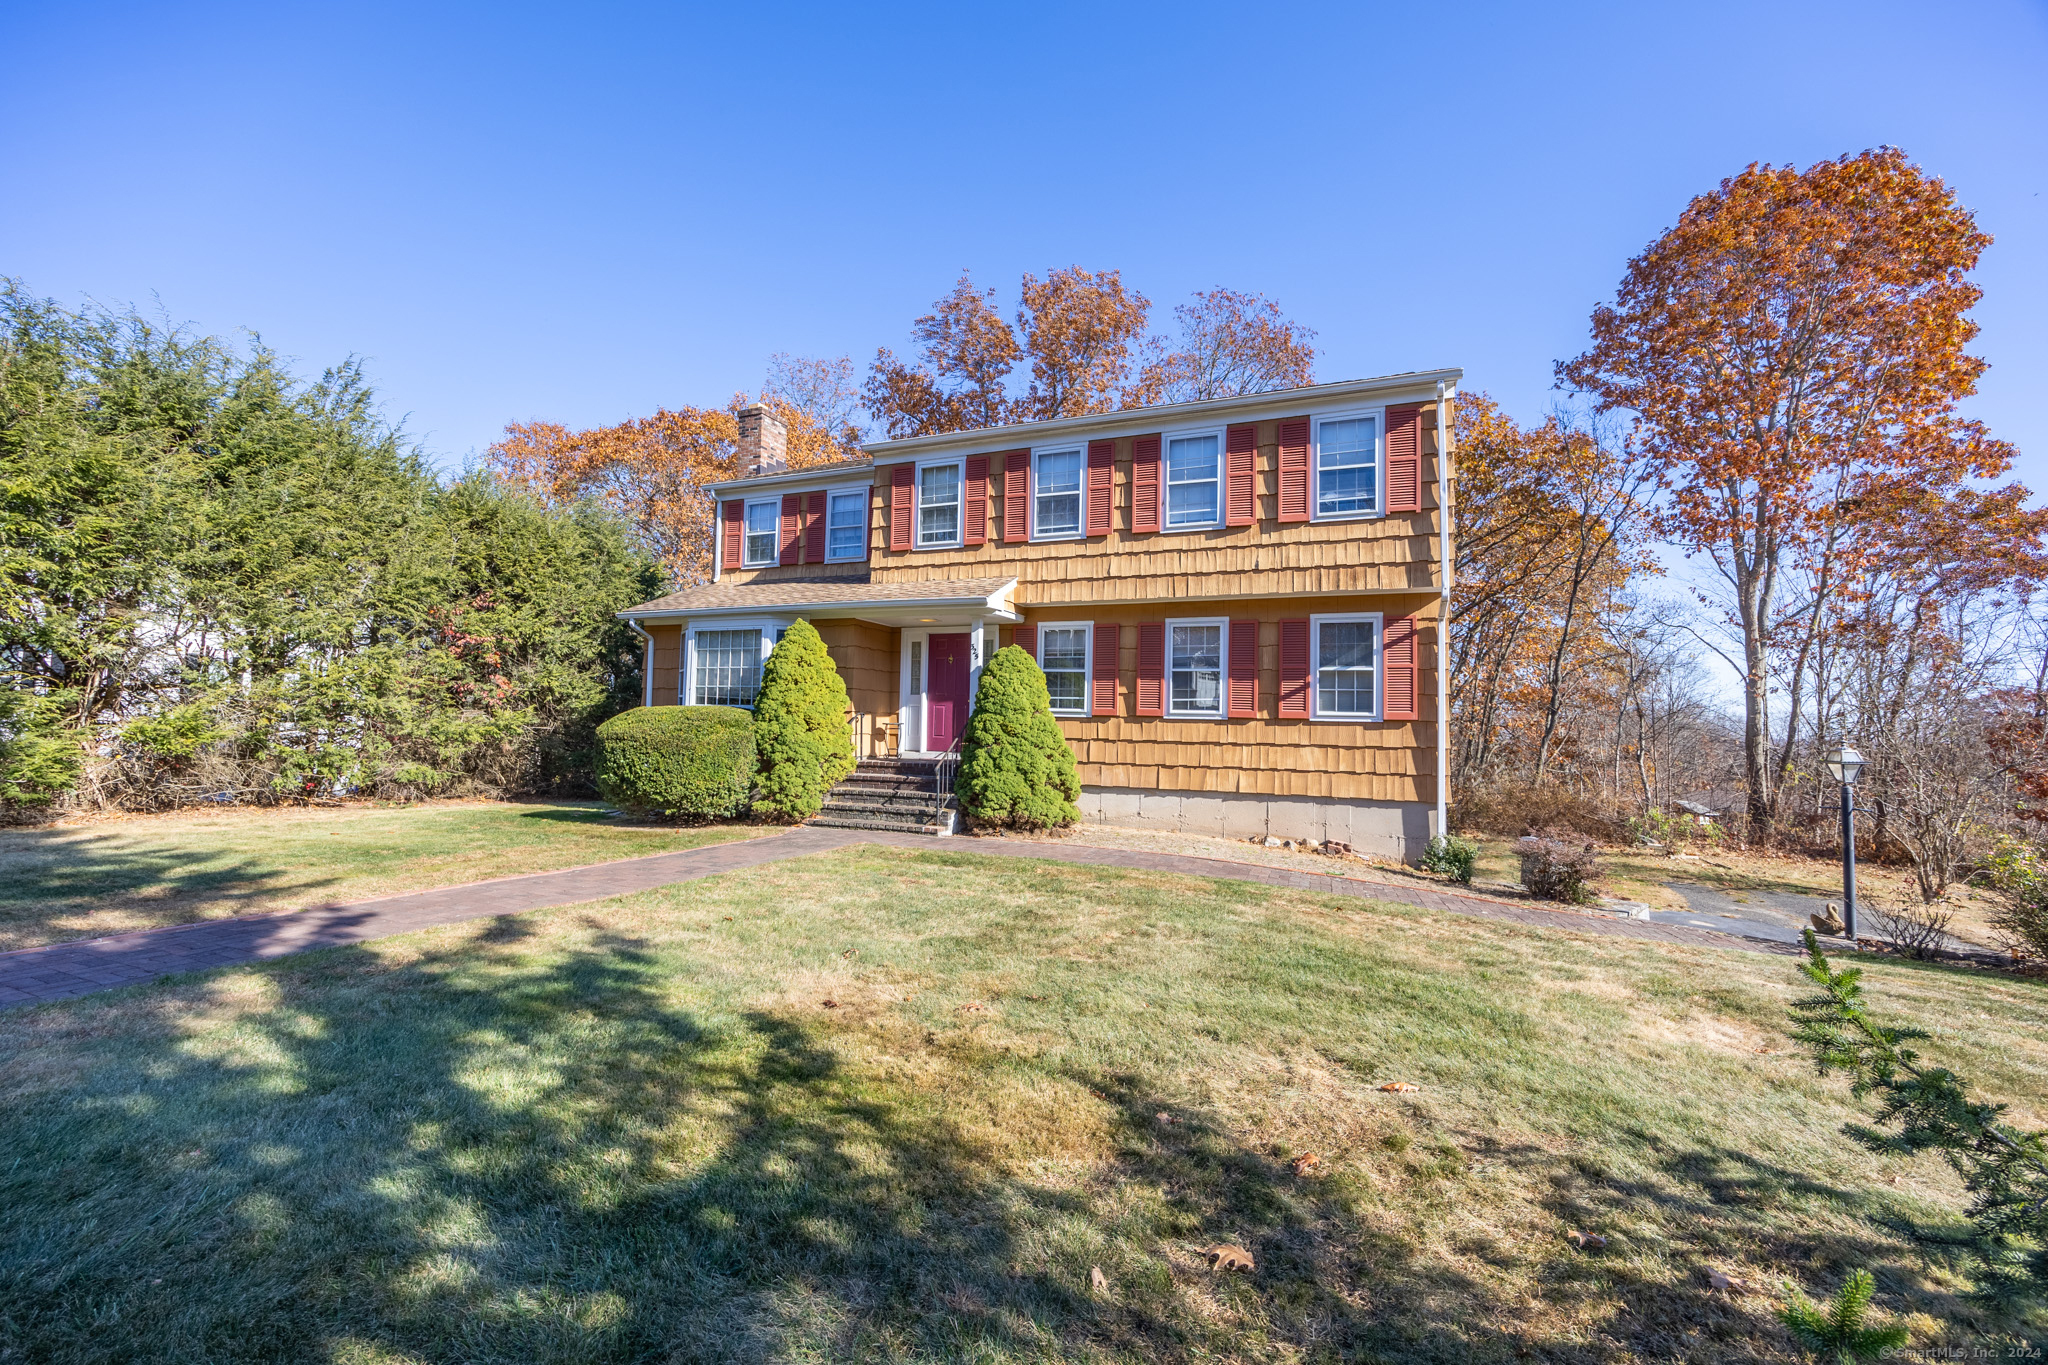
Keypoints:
pixel 764 442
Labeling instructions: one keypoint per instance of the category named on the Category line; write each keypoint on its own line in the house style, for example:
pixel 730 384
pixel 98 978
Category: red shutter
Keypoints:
pixel 1145 483
pixel 735 513
pixel 814 529
pixel 1152 668
pixel 1244 669
pixel 1027 639
pixel 1294 469
pixel 1241 503
pixel 792 527
pixel 975 531
pixel 1016 503
pixel 1102 680
pixel 867 520
pixel 902 489
pixel 1101 466
pixel 1400 671
pixel 1293 668
pixel 1404 458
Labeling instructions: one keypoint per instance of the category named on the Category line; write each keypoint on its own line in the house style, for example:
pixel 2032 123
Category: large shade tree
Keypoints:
pixel 1793 351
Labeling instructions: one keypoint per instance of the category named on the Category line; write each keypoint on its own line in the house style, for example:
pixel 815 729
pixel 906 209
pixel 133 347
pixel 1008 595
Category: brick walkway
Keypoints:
pixel 60 971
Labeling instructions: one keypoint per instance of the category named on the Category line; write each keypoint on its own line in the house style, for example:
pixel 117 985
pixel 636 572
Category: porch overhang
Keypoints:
pixel 947 602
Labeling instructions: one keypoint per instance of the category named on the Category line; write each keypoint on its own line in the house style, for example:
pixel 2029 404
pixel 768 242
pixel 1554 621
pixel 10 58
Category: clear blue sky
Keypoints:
pixel 580 212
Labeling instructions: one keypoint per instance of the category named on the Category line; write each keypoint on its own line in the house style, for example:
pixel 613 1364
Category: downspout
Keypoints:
pixel 647 666
pixel 1444 392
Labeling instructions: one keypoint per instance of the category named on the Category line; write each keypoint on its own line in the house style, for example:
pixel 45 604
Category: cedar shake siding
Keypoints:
pixel 1293 540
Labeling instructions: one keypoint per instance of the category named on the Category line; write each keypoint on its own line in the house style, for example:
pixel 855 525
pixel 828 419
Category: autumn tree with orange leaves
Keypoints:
pixel 1792 353
pixel 653 470
pixel 1082 336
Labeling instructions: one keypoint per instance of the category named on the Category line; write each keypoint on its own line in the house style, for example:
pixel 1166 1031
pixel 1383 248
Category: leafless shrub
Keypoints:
pixel 1556 865
pixel 1919 931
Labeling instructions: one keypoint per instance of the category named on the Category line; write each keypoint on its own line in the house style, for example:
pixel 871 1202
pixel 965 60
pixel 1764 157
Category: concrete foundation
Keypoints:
pixel 1387 829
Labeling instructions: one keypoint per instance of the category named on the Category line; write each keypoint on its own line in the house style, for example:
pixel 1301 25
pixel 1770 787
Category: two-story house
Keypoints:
pixel 1236 603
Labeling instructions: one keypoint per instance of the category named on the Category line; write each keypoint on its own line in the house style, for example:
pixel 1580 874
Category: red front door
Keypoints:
pixel 945 694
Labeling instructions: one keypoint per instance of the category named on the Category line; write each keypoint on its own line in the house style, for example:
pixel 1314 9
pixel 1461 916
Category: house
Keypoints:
pixel 1236 603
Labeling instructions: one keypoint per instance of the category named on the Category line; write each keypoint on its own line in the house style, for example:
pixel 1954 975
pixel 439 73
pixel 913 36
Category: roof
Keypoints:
pixel 1414 385
pixel 841 594
pixel 816 473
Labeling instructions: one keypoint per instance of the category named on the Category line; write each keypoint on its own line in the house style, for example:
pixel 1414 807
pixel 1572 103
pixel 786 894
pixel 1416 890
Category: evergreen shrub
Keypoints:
pixel 800 732
pixel 1015 767
pixel 685 762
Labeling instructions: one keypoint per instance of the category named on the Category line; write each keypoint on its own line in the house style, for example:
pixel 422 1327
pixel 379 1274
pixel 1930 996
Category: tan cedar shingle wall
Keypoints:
pixel 668 649
pixel 1387 761
pixel 865 655
pixel 1268 558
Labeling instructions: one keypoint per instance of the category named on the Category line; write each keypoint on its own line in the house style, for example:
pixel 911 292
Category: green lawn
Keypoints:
pixel 82 881
pixel 634 1131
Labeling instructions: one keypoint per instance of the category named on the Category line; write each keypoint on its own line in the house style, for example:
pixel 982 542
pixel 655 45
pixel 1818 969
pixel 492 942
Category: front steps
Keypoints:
pixel 890 793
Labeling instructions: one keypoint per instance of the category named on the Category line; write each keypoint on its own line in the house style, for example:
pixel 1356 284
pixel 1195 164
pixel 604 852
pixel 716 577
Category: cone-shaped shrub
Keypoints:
pixel 686 762
pixel 800 726
pixel 1015 766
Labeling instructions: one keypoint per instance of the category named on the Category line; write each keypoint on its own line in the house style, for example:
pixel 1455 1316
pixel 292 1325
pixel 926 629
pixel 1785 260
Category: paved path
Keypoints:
pixel 63 970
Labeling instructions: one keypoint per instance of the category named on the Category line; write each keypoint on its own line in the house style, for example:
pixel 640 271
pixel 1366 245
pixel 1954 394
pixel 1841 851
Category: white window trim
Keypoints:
pixel 1379 666
pixel 1080 531
pixel 1222 711
pixel 1166 440
pixel 686 688
pixel 747 505
pixel 1379 464
pixel 1087 629
pixel 867 529
pixel 917 540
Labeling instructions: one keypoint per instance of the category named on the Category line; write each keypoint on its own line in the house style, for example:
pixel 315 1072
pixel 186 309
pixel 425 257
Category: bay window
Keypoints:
pixel 725 666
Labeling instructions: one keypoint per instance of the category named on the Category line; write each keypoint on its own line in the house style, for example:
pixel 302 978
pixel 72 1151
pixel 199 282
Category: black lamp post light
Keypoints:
pixel 1846 765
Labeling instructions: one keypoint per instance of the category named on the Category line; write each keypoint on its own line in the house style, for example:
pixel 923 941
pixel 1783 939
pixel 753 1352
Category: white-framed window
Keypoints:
pixel 1066 654
pixel 1194 479
pixel 1195 651
pixel 846 525
pixel 939 499
pixel 1057 476
pixel 1344 666
pixel 725 665
pixel 764 523
pixel 1346 464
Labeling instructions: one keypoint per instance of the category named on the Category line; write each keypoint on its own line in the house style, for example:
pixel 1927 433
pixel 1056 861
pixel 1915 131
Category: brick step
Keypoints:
pixel 905 826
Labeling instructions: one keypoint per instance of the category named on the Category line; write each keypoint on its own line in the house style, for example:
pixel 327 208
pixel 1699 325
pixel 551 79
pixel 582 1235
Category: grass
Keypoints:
pixel 635 1131
pixel 110 876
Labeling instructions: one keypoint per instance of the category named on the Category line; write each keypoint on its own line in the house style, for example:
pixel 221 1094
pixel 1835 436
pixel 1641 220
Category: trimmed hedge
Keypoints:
pixel 1015 766
pixel 800 725
pixel 687 762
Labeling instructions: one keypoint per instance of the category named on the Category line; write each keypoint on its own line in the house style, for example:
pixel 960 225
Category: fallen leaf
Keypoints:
pixel 1585 1241
pixel 1163 1116
pixel 1306 1162
pixel 974 1005
pixel 1722 1280
pixel 1400 1087
pixel 851 952
pixel 1228 1256
pixel 1096 1280
pixel 831 1004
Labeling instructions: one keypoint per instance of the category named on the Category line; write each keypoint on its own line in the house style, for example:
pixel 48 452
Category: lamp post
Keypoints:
pixel 1846 764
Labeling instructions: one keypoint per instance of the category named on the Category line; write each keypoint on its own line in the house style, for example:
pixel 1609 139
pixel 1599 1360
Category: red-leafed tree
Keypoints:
pixel 1792 352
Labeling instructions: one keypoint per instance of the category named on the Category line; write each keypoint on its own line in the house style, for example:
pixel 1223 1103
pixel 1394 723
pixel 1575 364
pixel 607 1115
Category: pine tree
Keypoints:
pixel 800 729
pixel 1015 766
pixel 1837 1332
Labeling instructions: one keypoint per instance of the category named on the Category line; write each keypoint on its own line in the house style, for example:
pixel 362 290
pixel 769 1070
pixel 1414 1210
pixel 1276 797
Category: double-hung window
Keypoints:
pixel 1063 653
pixel 1194 486
pixel 1194 668
pixel 1056 500
pixel 1346 667
pixel 726 665
pixel 763 520
pixel 1347 466
pixel 938 505
pixel 846 529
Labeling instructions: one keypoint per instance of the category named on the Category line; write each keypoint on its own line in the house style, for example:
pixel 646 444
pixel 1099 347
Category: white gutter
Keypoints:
pixel 1444 393
pixel 646 668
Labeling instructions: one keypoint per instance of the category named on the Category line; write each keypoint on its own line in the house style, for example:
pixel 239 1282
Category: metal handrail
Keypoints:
pixel 948 765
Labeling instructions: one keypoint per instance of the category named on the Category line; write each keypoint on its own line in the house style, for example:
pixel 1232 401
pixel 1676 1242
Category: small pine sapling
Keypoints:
pixel 1838 1332
pixel 1929 1108
pixel 1015 766
pixel 800 729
